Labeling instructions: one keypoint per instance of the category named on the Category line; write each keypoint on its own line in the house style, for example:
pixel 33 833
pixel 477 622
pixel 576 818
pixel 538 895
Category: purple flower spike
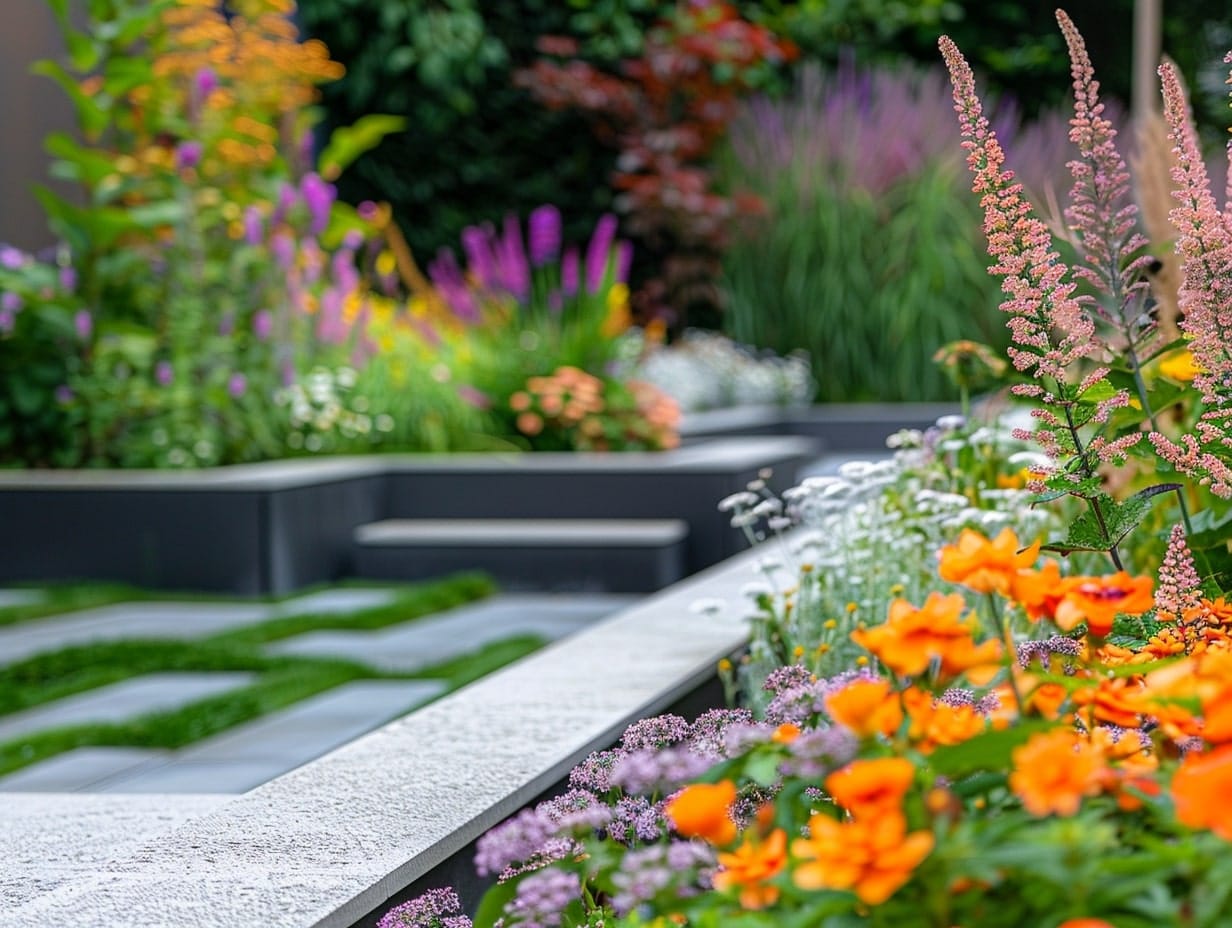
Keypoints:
pixel 283 249
pixel 569 272
pixel 624 260
pixel 319 197
pixel 188 155
pixel 599 251
pixel 262 324
pixel 288 196
pixel 237 385
pixel 480 260
pixel 514 270
pixel 83 322
pixel 205 82
pixel 163 374
pixel 10 302
pixel 544 233
pixel 254 226
pixel 68 279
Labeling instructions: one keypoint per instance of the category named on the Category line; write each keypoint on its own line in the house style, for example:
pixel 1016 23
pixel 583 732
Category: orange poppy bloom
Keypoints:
pixel 911 639
pixel 750 866
pixel 701 811
pixel 1054 770
pixel 868 787
pixel 1200 789
pixel 1098 600
pixel 873 857
pixel 986 566
pixel 1038 591
pixel 867 707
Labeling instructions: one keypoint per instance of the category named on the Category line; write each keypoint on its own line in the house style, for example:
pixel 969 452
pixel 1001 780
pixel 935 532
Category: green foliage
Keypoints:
pixel 477 147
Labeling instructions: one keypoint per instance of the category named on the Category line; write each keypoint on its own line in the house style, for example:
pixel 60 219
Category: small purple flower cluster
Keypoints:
pixel 437 908
pixel 648 872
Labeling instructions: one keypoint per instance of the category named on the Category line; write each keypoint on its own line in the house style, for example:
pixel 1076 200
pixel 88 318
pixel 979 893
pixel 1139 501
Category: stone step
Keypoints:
pixel 612 555
pixel 78 770
pixel 128 699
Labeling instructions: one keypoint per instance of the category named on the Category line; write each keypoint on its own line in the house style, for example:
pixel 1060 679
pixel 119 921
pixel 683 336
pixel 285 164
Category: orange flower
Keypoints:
pixel 868 787
pixel 873 857
pixel 935 723
pixel 750 866
pixel 867 707
pixel 986 566
pixel 785 733
pixel 1098 600
pixel 701 811
pixel 1054 770
pixel 1039 591
pixel 1200 789
pixel 911 639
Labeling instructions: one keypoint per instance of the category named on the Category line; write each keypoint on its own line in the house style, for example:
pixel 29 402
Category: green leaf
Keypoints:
pixel 349 142
pixel 1098 392
pixel 492 905
pixel 90 112
pixel 763 769
pixel 990 751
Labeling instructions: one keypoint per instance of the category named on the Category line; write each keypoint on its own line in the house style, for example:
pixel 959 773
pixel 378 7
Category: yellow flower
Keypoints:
pixel 1179 366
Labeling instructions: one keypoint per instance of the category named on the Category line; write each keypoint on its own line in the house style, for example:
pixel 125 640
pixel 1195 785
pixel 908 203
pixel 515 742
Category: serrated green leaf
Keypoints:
pixel 1098 392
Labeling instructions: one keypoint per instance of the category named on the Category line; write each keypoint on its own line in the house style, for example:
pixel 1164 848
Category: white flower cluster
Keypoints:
pixel 323 413
pixel 705 370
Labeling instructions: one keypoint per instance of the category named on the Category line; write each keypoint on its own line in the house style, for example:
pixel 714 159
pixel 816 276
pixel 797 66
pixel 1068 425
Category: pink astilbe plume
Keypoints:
pixel 1204 243
pixel 1050 329
pixel 1101 211
pixel 1179 591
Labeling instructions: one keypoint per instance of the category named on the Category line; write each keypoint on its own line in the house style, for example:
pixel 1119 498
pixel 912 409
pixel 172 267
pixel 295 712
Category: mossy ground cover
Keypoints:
pixel 281 679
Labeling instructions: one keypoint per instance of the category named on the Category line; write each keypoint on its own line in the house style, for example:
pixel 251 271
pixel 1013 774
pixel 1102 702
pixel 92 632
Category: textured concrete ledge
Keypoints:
pixel 338 838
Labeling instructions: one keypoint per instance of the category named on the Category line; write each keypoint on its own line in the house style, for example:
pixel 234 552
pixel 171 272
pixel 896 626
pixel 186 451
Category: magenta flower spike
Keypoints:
pixel 598 252
pixel 544 235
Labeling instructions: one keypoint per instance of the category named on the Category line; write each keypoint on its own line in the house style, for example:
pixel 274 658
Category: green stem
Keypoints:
pixel 1003 629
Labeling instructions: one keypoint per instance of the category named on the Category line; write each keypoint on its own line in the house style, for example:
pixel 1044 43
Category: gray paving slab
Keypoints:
pixel 414 645
pixel 179 621
pixel 77 770
pixel 149 693
pixel 341 600
pixel 20 597
pixel 45 839
pixel 251 754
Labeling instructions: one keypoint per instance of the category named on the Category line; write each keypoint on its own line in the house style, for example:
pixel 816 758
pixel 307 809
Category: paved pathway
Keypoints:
pixel 244 757
pixel 175 620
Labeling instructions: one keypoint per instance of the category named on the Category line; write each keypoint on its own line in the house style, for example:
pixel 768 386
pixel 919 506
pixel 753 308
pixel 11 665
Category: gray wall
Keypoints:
pixel 30 107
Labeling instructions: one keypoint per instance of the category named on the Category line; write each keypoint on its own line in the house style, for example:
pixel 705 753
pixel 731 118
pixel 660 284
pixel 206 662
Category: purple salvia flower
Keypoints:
pixel 254 226
pixel 480 259
pixel 542 898
pixel 262 324
pixel 330 326
pixel 163 373
pixel 237 385
pixel 188 154
pixel 205 82
pixel 511 256
pixel 319 198
pixel 83 323
pixel 624 260
pixel 657 732
pixel 282 247
pixel 10 302
pixel 346 277
pixel 544 235
pixel 288 196
pixel 313 259
pixel 570 271
pixel 448 279
pixel 68 279
pixel 598 252
pixel 437 908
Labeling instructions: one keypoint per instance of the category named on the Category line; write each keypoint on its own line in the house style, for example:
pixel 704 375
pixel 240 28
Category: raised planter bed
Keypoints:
pixel 839 427
pixel 274 527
